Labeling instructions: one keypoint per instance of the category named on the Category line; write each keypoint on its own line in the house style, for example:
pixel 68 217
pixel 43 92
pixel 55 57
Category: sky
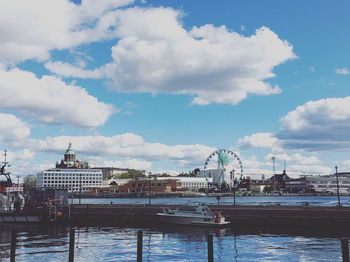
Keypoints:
pixel 160 85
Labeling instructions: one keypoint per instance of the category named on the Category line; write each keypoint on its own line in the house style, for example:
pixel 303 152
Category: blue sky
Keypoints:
pixel 159 85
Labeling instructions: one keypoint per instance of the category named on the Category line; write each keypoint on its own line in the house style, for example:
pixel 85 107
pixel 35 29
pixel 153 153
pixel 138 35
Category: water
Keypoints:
pixel 166 244
pixel 241 200
pixel 173 243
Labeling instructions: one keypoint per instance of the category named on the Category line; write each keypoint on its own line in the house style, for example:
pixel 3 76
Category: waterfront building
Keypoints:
pixel 191 183
pixel 328 184
pixel 71 173
pixel 151 185
pixel 298 185
pixel 278 181
pixel 219 176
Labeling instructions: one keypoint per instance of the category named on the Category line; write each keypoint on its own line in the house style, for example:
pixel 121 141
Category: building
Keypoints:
pixel 191 183
pixel 71 174
pixel 69 160
pixel 219 176
pixel 150 185
pixel 328 184
pixel 298 185
pixel 278 181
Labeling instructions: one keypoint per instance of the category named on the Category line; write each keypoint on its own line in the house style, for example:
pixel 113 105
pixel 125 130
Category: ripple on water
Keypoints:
pixel 168 244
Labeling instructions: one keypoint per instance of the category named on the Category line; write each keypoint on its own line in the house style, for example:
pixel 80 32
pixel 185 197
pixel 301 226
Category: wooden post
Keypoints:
pixel 345 249
pixel 13 245
pixel 210 248
pixel 139 245
pixel 71 244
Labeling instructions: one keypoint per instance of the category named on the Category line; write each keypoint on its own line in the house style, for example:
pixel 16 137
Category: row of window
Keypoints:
pixel 195 183
pixel 70 175
pixel 71 178
pixel 76 182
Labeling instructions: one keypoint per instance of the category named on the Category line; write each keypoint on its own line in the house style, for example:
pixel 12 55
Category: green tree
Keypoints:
pixel 131 174
pixel 29 181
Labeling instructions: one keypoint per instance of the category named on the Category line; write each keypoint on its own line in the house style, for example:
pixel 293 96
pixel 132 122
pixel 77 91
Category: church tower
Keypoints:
pixel 69 156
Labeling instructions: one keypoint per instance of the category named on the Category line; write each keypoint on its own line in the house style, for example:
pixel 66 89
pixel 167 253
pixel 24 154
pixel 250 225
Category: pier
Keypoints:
pixel 320 218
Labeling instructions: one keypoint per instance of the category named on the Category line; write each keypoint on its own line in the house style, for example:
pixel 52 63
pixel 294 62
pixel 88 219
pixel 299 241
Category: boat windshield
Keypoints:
pixel 188 208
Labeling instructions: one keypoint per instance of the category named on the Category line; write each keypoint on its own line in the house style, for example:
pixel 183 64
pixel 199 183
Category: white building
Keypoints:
pixel 191 183
pixel 219 176
pixel 72 179
pixel 329 183
pixel 70 174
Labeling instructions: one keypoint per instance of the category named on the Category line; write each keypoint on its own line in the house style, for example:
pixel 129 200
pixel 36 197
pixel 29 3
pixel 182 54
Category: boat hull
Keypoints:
pixel 189 220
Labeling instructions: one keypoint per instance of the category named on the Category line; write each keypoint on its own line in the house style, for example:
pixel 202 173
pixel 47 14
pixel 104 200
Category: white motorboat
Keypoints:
pixel 190 214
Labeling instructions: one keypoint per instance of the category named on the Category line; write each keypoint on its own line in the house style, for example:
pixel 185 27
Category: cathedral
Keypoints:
pixel 69 160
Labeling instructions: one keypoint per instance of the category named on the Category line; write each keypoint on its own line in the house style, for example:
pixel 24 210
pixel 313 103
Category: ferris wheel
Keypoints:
pixel 223 166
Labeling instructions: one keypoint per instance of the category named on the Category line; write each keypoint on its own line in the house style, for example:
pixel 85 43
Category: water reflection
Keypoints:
pixel 165 243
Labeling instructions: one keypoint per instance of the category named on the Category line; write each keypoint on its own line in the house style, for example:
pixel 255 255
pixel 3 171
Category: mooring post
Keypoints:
pixel 13 245
pixel 71 244
pixel 345 249
pixel 210 248
pixel 139 245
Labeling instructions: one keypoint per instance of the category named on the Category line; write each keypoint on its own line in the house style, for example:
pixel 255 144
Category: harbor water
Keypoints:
pixel 175 243
pixel 225 200
pixel 165 244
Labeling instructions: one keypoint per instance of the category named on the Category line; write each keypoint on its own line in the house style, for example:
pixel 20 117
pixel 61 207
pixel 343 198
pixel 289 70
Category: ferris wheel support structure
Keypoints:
pixel 224 157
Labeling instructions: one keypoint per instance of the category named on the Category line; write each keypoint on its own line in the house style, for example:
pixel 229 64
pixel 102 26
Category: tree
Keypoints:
pixel 165 175
pixel 131 174
pixel 225 187
pixel 29 181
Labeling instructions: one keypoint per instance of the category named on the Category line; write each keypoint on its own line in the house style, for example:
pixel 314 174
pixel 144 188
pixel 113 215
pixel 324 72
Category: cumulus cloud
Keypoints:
pixel 69 70
pixel 299 164
pixel 128 146
pixel 263 140
pixel 342 71
pixel 310 169
pixel 57 24
pixel 50 100
pixel 318 125
pixel 314 126
pixel 127 163
pixel 212 64
pixel 12 130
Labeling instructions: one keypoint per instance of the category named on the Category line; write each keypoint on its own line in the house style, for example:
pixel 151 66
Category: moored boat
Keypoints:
pixel 192 214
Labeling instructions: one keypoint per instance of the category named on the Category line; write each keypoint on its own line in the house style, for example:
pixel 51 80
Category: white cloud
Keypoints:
pixel 127 163
pixel 263 140
pixel 213 64
pixel 127 146
pixel 157 54
pixel 342 71
pixel 310 169
pixel 31 29
pixel 68 70
pixel 318 125
pixel 22 155
pixel 12 130
pixel 50 100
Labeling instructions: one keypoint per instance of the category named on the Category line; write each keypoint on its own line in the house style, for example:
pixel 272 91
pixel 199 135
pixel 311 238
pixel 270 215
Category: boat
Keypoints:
pixel 11 195
pixel 192 214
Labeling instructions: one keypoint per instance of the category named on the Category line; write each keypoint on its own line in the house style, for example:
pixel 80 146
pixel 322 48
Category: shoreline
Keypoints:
pixel 193 194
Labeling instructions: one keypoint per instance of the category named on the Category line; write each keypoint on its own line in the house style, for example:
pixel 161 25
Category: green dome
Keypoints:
pixel 69 150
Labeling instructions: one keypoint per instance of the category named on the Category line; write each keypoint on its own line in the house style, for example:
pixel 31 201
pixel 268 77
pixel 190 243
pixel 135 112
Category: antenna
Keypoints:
pixel 273 165
pixel 5 155
pixel 285 167
pixel 274 173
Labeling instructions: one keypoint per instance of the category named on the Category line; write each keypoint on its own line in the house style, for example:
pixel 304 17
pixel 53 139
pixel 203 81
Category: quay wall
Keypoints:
pixel 245 216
